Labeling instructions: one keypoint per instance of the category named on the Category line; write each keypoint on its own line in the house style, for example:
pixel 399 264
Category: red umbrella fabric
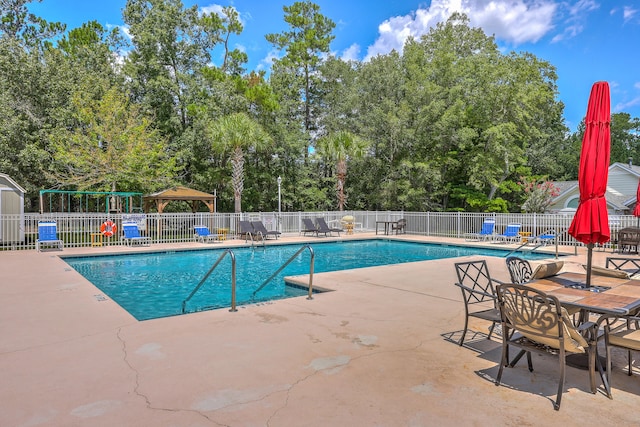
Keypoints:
pixel 591 221
pixel 636 210
pixel 590 224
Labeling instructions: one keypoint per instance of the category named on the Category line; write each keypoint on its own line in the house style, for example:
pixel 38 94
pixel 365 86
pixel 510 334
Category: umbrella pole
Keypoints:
pixel 589 256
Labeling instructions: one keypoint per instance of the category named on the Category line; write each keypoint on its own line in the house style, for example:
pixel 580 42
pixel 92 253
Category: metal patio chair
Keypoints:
pixel 519 269
pixel 630 265
pixel 535 321
pixel 478 290
pixel 399 226
pixel 622 332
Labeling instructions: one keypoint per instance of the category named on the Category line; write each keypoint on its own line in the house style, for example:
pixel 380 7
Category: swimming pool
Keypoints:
pixel 152 285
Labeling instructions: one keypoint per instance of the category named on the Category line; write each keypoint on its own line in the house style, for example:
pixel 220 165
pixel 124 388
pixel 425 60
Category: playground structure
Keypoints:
pixel 90 201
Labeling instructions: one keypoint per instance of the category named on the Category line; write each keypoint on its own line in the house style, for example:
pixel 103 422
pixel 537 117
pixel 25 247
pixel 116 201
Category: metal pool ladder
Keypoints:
pixel 282 267
pixel 206 276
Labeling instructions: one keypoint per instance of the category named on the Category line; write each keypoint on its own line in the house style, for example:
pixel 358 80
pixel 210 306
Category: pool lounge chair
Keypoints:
pixel 247 232
pixel 132 235
pixel 485 232
pixel 258 226
pixel 545 238
pixel 324 228
pixel 309 227
pixel 202 234
pixel 510 234
pixel 48 236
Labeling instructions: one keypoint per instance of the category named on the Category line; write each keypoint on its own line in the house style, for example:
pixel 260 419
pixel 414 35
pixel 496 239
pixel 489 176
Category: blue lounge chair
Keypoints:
pixel 258 226
pixel 203 235
pixel 48 235
pixel 545 238
pixel 510 234
pixel 132 234
pixel 485 232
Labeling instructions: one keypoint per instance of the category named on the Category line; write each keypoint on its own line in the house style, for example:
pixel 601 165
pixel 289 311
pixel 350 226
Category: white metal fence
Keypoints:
pixel 83 230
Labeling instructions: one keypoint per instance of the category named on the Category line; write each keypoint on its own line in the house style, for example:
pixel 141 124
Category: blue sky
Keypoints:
pixel 586 40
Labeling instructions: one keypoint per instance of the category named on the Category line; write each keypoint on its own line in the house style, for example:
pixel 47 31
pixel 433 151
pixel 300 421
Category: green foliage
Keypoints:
pixel 451 121
pixel 111 147
pixel 340 147
pixel 625 138
pixel 236 133
pixel 539 193
pixel 308 38
pixel 17 23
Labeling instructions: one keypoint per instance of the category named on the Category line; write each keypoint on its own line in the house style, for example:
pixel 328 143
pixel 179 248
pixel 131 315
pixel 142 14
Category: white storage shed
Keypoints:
pixel 11 210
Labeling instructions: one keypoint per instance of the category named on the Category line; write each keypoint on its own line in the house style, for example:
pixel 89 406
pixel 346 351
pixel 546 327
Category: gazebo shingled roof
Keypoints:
pixel 162 198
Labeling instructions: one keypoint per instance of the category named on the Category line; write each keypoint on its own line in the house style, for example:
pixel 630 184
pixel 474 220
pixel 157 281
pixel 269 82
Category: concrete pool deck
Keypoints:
pixel 379 350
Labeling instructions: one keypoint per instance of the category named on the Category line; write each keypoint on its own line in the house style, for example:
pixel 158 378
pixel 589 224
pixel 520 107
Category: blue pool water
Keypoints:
pixel 153 285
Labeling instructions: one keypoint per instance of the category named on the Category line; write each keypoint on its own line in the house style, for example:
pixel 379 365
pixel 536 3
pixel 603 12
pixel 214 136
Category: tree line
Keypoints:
pixel 450 123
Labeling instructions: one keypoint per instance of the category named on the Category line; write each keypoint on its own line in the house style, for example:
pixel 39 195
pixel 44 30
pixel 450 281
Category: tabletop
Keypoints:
pixel 608 295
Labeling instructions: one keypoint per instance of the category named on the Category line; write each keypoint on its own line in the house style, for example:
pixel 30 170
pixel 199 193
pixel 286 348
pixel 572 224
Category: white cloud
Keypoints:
pixel 574 23
pixel 582 6
pixel 217 9
pixel 267 61
pixel 514 21
pixel 125 30
pixel 629 13
pixel 212 8
pixel 352 53
pixel 625 106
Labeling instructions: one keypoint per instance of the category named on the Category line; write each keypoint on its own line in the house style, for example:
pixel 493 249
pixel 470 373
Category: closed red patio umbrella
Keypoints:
pixel 636 210
pixel 590 224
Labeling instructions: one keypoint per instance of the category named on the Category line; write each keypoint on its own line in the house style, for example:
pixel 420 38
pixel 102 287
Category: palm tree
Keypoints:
pixel 235 133
pixel 340 147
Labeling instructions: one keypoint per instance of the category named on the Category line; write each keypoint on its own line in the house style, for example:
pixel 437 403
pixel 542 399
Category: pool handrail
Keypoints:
pixel 206 276
pixel 283 266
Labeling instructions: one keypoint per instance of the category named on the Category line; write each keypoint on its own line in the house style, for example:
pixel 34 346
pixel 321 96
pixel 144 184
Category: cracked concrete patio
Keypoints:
pixel 378 351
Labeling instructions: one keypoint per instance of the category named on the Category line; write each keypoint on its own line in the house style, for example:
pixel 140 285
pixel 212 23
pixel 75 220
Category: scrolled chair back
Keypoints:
pixel 539 317
pixel 519 269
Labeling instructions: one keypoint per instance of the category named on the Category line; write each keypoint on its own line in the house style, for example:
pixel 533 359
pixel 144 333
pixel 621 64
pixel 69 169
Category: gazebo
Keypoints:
pixel 162 198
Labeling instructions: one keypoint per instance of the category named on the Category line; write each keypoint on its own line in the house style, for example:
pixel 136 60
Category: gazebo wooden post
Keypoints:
pixel 162 198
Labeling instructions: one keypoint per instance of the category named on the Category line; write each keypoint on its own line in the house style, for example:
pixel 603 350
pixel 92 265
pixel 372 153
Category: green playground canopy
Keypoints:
pixel 90 201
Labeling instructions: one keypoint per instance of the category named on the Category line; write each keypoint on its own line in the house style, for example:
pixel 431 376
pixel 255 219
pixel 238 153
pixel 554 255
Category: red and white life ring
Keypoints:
pixel 108 228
